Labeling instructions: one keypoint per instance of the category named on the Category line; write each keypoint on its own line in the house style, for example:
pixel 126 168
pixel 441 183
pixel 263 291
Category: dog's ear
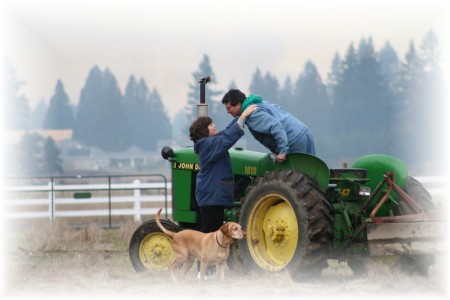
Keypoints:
pixel 224 229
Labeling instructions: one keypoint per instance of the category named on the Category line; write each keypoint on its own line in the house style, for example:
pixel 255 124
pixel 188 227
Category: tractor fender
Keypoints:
pixel 253 163
pixel 378 164
pixel 307 164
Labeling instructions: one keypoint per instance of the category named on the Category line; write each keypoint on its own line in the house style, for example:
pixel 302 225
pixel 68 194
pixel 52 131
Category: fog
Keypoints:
pixel 164 41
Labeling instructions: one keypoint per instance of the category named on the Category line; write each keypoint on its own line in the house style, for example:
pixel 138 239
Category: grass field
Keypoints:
pixel 52 260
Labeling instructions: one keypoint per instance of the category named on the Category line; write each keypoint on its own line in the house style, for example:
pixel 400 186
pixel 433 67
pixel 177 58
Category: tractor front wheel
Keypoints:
pixel 150 248
pixel 288 225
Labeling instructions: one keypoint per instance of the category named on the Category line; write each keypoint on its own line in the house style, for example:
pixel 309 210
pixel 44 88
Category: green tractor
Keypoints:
pixel 300 213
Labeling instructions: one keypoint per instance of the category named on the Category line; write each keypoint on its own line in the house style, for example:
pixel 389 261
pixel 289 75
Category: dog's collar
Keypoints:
pixel 217 240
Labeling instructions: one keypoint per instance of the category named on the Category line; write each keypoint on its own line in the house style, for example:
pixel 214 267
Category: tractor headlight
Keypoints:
pixel 167 153
pixel 364 191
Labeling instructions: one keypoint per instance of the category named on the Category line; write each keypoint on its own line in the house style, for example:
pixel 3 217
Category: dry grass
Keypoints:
pixel 50 259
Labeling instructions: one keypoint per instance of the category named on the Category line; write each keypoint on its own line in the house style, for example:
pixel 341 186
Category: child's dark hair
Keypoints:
pixel 199 128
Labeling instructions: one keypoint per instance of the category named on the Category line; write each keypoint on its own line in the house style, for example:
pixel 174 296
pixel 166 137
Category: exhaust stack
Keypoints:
pixel 202 107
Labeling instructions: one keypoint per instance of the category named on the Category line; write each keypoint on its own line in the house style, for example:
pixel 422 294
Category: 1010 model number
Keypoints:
pixel 249 170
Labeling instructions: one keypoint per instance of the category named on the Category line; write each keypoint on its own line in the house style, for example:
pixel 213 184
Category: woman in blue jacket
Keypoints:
pixel 215 183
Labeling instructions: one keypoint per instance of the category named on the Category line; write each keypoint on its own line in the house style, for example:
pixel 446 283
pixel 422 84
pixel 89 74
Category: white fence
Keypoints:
pixel 83 202
pixel 135 199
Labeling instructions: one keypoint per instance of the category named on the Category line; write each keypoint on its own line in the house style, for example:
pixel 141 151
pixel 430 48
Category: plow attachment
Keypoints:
pixel 413 234
pixel 412 238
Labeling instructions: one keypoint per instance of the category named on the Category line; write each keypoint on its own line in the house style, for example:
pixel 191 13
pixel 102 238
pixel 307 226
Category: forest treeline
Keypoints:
pixel 370 102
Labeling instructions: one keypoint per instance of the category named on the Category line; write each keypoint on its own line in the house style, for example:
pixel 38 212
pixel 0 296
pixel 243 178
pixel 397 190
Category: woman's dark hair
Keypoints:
pixel 199 128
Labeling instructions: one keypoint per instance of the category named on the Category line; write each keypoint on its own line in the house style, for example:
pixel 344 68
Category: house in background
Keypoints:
pixel 78 158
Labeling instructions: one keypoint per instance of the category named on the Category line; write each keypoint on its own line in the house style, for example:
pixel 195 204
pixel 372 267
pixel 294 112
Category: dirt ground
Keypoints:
pixel 51 260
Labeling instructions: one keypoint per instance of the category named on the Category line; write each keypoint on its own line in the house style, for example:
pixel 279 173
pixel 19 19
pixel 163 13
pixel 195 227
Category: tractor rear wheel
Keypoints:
pixel 150 248
pixel 288 225
pixel 416 264
pixel 417 191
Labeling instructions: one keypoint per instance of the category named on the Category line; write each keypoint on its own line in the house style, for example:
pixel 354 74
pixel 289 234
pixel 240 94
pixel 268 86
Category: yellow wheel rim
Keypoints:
pixel 155 251
pixel 273 231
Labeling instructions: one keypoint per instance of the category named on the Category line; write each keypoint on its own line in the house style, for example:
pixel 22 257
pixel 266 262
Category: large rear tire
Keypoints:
pixel 417 191
pixel 150 248
pixel 288 225
pixel 416 264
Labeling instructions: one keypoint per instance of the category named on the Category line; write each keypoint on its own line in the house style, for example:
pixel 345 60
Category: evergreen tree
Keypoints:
pixel 111 134
pixel 287 95
pixel 136 113
pixel 51 162
pixel 362 105
pixel 231 86
pixel 158 119
pixel 89 106
pixel 271 89
pixel 257 85
pixel 35 156
pixel 390 70
pixel 430 52
pixel 215 107
pixel 432 102
pixel 16 111
pixel 59 114
pixel 180 129
pixel 343 93
pixel 27 155
pixel 146 116
pixel 266 86
pixel 409 86
pixel 312 106
pixel 389 64
pixel 333 76
pixel 38 115
pixel 100 107
pixel 421 87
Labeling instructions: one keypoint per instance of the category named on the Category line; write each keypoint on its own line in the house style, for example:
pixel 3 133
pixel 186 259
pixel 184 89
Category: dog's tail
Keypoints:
pixel 169 233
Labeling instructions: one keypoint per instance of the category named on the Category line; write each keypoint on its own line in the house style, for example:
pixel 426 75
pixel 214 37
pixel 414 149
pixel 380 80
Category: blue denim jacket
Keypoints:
pixel 279 131
pixel 215 182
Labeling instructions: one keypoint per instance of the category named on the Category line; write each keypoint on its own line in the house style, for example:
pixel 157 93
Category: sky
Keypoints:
pixel 163 41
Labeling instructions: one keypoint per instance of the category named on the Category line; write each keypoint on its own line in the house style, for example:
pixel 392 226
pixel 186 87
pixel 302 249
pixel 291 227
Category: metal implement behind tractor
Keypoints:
pixel 300 213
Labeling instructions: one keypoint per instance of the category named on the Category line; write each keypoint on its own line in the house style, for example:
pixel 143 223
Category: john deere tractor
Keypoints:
pixel 300 213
